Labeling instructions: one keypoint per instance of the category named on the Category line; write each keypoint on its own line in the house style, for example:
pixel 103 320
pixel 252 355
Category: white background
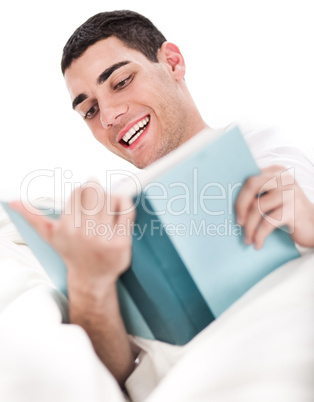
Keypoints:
pixel 245 59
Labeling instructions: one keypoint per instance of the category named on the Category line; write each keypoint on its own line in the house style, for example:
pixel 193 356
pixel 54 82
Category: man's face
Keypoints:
pixel 134 107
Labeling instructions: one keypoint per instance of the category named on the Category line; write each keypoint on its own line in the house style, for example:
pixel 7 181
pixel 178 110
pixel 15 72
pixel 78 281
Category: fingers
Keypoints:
pixel 87 203
pixel 92 198
pixel 254 187
pixel 262 208
pixel 259 206
pixel 125 209
pixel 93 235
pixel 36 218
pixel 265 228
pixel 91 212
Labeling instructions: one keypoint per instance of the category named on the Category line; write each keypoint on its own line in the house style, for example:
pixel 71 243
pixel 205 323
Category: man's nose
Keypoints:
pixel 110 116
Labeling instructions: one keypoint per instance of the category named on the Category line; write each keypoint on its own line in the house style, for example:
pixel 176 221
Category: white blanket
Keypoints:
pixel 262 348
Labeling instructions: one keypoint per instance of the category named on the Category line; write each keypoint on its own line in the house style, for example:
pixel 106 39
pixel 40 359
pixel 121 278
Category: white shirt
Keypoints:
pixel 268 148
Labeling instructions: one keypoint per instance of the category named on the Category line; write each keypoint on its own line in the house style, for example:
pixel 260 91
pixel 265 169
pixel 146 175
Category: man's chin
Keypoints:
pixel 142 164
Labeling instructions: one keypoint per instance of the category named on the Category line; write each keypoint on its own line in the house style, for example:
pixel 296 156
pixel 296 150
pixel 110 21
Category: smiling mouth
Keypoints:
pixel 135 132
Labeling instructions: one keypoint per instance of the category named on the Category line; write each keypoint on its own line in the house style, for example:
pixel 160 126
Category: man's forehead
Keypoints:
pixel 110 50
pixel 99 57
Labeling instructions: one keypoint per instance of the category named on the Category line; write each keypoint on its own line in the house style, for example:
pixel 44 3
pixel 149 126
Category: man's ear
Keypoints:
pixel 170 53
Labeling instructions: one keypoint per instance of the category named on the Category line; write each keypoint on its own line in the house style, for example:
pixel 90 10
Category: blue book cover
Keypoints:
pixel 189 260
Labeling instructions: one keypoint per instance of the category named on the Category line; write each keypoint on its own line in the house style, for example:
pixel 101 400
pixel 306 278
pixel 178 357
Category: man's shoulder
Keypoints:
pixel 269 147
pixel 257 134
pixel 268 144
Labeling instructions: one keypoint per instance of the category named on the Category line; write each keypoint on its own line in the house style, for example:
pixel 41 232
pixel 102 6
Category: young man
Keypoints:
pixel 127 82
pixel 122 82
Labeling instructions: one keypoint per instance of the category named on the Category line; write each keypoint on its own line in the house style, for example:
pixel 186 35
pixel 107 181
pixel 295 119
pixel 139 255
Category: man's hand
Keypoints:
pixel 94 236
pixel 94 231
pixel 271 200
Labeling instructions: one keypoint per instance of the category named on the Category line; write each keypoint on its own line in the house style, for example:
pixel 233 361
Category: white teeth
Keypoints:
pixel 139 125
pixel 135 137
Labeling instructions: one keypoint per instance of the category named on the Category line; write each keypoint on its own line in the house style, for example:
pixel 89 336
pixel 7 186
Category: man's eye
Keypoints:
pixel 91 112
pixel 124 83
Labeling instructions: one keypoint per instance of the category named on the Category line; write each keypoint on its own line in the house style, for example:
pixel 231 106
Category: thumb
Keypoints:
pixel 37 218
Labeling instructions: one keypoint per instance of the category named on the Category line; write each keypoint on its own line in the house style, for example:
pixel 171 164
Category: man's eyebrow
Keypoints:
pixel 79 99
pixel 100 80
pixel 106 74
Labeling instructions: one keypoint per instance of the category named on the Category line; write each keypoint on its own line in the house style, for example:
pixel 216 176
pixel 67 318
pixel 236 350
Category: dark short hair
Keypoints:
pixel 133 29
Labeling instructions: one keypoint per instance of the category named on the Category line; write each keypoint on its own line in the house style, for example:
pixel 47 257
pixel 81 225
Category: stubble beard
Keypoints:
pixel 171 140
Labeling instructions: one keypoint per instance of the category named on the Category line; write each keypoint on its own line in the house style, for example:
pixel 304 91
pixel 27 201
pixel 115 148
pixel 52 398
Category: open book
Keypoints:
pixel 189 260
